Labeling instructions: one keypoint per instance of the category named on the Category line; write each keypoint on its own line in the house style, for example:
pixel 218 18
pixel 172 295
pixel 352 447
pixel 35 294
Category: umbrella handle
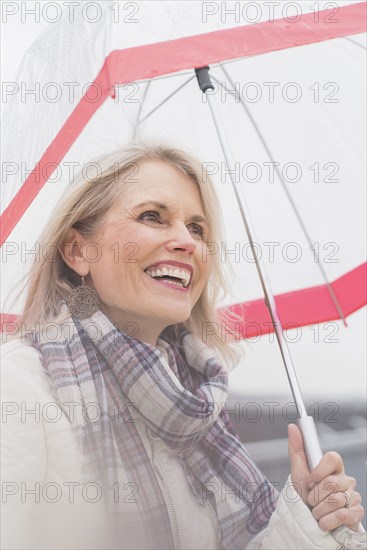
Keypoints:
pixel 311 440
pixel 313 448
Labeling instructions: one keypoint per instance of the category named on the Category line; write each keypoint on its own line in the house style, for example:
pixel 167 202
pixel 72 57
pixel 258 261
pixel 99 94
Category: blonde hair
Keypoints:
pixel 85 207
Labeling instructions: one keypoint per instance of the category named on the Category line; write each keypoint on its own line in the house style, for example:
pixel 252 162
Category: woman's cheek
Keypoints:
pixel 206 259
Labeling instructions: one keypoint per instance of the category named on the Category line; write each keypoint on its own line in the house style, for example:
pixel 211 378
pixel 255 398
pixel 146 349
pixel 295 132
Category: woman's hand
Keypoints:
pixel 322 489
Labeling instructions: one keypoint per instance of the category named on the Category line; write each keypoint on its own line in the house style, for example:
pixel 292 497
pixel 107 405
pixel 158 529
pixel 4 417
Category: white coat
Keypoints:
pixel 49 503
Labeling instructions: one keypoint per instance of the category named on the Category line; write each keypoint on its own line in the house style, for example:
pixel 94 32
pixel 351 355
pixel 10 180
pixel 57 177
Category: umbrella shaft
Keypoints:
pixel 269 297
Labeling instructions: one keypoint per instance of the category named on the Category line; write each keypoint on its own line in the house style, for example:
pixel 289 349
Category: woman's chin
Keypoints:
pixel 178 317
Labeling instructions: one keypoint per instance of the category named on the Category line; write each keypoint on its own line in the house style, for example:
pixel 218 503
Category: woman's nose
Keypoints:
pixel 182 239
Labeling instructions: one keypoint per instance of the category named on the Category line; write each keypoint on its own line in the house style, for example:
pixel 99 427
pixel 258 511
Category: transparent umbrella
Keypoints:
pixel 291 102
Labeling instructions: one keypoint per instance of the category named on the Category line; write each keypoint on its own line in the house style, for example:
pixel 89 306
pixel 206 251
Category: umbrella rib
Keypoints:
pixel 296 211
pixel 354 42
pixel 140 109
pixel 166 99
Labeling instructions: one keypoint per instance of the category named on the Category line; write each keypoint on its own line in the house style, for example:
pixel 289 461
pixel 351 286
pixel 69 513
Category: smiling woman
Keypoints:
pixel 130 291
pixel 128 444
pixel 150 204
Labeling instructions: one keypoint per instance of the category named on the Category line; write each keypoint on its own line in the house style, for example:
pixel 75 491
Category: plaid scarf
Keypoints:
pixel 92 363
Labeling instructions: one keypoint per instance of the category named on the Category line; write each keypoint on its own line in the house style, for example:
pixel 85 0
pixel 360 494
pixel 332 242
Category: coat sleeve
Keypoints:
pixel 293 527
pixel 23 449
pixel 44 503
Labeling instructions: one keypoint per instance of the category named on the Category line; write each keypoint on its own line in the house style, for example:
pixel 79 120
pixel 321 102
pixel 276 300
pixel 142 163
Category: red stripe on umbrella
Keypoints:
pixel 302 307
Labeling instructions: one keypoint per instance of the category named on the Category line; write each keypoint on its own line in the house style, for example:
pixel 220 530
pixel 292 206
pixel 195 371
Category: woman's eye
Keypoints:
pixel 150 216
pixel 197 230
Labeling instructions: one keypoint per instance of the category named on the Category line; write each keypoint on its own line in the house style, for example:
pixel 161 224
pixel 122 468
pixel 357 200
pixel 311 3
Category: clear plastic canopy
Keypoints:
pixel 298 112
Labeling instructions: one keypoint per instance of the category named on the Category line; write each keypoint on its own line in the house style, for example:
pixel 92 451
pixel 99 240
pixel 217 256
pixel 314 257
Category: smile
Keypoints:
pixel 173 284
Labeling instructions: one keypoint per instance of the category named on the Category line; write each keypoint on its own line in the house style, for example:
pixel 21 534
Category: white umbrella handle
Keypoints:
pixel 311 440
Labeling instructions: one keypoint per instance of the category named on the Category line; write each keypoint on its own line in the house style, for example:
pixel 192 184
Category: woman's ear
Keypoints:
pixel 72 252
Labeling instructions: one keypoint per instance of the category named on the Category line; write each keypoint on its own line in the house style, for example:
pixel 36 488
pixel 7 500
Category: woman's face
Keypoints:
pixel 148 262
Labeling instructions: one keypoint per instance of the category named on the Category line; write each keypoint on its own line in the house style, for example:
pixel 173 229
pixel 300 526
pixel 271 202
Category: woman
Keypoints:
pixel 115 429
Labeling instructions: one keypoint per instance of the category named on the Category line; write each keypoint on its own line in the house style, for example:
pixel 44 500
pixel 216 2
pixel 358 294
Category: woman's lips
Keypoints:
pixel 172 286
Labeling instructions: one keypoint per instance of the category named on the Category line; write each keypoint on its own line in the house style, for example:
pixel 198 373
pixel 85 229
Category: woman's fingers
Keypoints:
pixel 330 464
pixel 334 503
pixel 342 516
pixel 328 487
pixel 328 491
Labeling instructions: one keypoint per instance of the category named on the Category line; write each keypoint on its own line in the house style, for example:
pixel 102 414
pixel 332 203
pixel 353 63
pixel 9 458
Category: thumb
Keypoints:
pixel 300 473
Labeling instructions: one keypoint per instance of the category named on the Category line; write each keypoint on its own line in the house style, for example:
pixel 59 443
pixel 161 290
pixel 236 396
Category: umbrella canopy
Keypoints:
pixel 292 102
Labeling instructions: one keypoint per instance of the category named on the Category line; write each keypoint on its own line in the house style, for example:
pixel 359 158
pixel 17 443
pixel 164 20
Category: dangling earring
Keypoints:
pixel 83 301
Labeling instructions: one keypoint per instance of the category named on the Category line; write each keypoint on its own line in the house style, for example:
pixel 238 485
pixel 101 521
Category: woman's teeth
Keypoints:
pixel 175 283
pixel 170 272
